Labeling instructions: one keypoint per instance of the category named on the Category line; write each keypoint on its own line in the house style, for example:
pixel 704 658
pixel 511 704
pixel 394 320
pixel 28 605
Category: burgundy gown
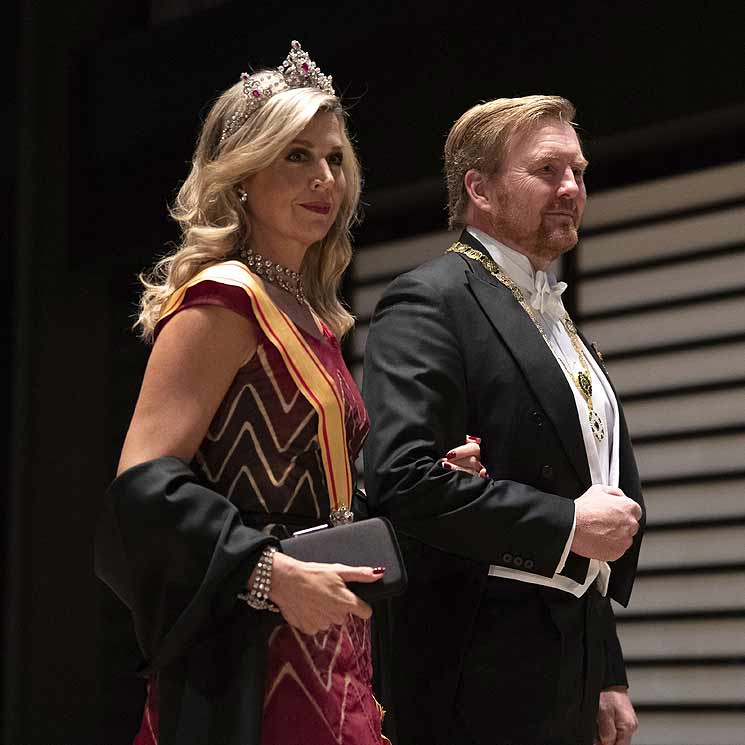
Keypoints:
pixel 261 451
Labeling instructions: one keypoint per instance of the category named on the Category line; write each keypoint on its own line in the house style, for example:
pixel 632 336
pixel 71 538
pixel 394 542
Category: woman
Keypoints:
pixel 246 383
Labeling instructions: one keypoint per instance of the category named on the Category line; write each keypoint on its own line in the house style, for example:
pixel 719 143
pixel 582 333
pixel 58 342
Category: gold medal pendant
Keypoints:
pixel 585 385
pixel 584 382
pixel 596 425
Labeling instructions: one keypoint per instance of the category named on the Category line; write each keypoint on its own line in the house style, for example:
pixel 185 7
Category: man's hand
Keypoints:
pixel 616 719
pixel 606 523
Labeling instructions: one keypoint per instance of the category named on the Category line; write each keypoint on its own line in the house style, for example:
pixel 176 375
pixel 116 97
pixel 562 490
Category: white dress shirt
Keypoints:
pixel 543 293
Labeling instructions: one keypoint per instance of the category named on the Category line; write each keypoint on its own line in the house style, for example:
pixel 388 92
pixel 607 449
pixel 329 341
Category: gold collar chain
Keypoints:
pixel 583 380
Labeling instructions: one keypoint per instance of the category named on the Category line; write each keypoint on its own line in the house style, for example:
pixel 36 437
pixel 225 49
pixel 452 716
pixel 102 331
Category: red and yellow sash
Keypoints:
pixel 310 376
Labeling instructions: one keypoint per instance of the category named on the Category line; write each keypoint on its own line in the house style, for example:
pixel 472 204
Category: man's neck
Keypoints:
pixel 539 263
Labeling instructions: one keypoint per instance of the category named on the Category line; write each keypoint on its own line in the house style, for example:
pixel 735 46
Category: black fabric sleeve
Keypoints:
pixel 615 668
pixel 175 552
pixel 415 393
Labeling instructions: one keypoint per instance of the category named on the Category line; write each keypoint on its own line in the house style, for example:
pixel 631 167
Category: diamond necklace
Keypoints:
pixel 582 380
pixel 287 279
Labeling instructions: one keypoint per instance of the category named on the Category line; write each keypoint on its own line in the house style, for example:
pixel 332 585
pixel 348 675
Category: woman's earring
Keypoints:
pixel 242 194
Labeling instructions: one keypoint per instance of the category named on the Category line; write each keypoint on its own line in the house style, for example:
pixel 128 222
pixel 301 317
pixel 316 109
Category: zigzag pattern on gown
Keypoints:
pixel 261 451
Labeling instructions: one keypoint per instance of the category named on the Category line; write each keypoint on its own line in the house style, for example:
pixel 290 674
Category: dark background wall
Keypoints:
pixel 103 107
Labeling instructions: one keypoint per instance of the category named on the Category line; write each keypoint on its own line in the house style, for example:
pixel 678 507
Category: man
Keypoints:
pixel 505 635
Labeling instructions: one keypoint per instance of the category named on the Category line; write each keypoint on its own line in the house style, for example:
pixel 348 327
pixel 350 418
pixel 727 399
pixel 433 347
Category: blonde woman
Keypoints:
pixel 244 431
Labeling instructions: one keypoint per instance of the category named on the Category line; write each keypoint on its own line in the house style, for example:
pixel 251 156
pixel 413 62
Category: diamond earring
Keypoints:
pixel 242 194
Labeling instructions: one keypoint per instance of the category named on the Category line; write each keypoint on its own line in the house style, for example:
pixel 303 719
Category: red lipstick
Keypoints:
pixel 322 208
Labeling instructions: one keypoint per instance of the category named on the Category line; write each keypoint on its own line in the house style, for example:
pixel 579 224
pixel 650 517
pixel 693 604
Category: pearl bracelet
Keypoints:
pixel 257 596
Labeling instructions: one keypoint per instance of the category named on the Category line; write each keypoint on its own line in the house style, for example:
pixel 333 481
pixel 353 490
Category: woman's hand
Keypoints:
pixel 466 458
pixel 312 597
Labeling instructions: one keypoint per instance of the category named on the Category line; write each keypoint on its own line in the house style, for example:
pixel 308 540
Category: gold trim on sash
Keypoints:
pixel 309 374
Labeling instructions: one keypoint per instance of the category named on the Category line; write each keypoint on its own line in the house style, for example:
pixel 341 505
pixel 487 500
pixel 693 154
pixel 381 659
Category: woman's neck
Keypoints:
pixel 288 254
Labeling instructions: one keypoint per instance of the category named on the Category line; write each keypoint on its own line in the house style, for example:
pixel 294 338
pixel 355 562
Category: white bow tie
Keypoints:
pixel 546 297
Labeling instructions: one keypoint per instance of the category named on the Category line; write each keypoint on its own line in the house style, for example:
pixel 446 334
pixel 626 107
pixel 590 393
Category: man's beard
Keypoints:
pixel 544 244
pixel 550 244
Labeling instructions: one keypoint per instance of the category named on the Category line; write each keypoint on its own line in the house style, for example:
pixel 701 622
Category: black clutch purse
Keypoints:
pixel 370 542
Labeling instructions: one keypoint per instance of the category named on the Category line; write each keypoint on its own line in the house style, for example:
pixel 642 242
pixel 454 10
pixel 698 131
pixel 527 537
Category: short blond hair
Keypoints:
pixel 479 140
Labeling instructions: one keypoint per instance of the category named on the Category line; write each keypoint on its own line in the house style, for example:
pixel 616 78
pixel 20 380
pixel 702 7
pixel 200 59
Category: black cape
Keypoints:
pixel 177 554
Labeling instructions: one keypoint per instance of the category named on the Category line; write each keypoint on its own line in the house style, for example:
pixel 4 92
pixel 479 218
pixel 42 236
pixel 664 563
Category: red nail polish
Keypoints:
pixel 451 454
pixel 473 438
pixel 379 570
pixel 447 465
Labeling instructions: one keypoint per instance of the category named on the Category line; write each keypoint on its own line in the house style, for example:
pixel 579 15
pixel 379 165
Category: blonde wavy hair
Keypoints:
pixel 480 137
pixel 214 223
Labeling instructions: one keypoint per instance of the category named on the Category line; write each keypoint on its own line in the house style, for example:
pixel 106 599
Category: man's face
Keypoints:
pixel 538 195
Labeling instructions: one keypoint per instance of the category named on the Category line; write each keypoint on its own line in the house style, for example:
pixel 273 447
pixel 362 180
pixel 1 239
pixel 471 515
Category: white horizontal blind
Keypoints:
pixel 661 288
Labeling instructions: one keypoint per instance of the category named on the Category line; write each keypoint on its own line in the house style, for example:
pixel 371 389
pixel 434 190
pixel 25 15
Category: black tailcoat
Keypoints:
pixel 450 352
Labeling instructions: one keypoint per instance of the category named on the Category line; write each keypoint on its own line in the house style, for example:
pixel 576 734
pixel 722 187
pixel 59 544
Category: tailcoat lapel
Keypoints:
pixel 535 359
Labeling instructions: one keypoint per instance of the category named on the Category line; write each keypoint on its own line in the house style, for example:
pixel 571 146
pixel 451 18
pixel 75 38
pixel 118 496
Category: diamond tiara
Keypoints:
pixel 297 71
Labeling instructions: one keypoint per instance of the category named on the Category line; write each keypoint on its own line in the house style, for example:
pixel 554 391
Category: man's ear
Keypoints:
pixel 476 186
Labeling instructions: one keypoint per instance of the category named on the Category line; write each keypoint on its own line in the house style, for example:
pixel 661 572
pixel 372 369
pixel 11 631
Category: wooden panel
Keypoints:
pixel 688 367
pixel 643 330
pixel 360 340
pixel 366 298
pixel 665 195
pixel 717 637
pixel 384 261
pixel 668 238
pixel 713 684
pixel 690 457
pixel 394 257
pixel 665 282
pixel 686 592
pixel 357 374
pixel 695 501
pixel 690 728
pixel 676 413
pixel 693 547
